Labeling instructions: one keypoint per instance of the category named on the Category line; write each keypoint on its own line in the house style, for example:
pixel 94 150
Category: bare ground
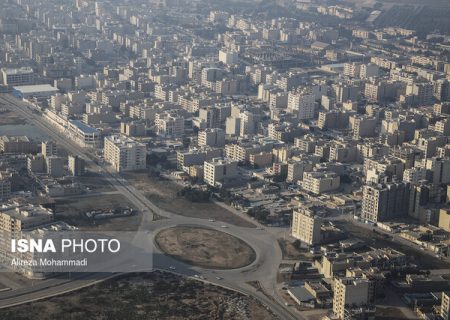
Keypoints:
pixel 205 247
pixel 73 212
pixel 163 193
pixel 155 295
pixel 290 252
pixel 7 117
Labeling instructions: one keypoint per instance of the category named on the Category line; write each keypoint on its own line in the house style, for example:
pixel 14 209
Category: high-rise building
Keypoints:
pixel 5 188
pixel 445 305
pixel 382 202
pixel 49 148
pixel 219 171
pixel 76 166
pixel 422 93
pixel 125 154
pixel 349 293
pixel 306 226
pixel 302 104
pixel 211 137
pixel 55 166
pixel 169 125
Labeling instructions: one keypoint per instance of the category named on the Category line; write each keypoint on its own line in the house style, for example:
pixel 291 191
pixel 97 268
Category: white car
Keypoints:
pixel 212 220
pixel 172 268
pixel 223 226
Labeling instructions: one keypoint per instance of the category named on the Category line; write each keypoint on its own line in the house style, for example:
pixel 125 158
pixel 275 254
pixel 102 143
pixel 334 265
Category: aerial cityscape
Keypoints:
pixel 225 159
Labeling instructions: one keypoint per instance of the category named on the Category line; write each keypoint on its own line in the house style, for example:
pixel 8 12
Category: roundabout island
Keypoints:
pixel 205 247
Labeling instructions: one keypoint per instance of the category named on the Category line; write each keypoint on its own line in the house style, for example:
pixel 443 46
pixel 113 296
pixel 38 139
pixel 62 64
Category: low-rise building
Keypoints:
pixel 318 182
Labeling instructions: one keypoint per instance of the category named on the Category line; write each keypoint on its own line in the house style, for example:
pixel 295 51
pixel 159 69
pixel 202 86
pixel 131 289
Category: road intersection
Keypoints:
pixel 263 270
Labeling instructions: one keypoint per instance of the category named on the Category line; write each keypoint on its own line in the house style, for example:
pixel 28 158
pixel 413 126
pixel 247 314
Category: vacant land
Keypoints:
pixel 7 117
pixel 291 252
pixel 163 193
pixel 204 247
pixel 95 182
pixel 73 210
pixel 390 313
pixel 154 295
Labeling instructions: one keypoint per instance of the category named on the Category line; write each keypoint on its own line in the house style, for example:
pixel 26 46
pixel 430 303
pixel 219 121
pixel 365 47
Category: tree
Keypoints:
pixel 194 195
pixel 259 213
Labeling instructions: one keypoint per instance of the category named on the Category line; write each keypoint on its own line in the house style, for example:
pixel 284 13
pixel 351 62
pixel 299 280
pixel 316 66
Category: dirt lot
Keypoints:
pixel 72 211
pixel 205 247
pixel 164 194
pixel 390 313
pixel 95 182
pixel 8 117
pixel 144 296
pixel 290 252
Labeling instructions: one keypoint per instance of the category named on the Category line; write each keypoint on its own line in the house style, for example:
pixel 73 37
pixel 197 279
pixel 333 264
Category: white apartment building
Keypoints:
pixel 169 125
pixel 219 170
pixel 349 292
pixel 414 175
pixel 211 137
pixel 318 182
pixel 306 226
pixel 302 104
pixel 125 154
pixel 228 57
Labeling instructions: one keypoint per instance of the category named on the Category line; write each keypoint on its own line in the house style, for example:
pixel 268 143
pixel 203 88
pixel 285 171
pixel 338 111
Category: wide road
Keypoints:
pixel 264 269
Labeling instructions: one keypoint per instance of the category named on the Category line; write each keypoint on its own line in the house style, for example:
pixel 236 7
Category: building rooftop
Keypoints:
pixel 13 71
pixel 14 139
pixel 25 212
pixel 36 88
pixel 83 127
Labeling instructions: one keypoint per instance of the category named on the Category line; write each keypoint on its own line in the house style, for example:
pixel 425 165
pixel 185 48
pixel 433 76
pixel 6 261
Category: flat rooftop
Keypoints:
pixel 36 88
pixel 83 127
pixel 13 71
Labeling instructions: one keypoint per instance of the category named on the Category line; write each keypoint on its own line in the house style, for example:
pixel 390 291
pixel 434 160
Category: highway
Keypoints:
pixel 264 269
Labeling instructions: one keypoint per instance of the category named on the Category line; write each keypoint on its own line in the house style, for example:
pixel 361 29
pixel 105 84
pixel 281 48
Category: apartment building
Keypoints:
pixel 169 125
pixel 5 188
pixel 76 166
pixel 15 217
pixel 382 202
pixel 318 182
pixel 302 103
pixel 348 293
pixel 16 144
pixel 125 154
pixel 218 171
pixel 211 137
pixel 306 226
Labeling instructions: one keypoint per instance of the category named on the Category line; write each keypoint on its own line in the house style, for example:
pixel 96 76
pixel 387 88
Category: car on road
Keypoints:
pixel 223 226
pixel 211 220
pixel 218 278
pixel 172 268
